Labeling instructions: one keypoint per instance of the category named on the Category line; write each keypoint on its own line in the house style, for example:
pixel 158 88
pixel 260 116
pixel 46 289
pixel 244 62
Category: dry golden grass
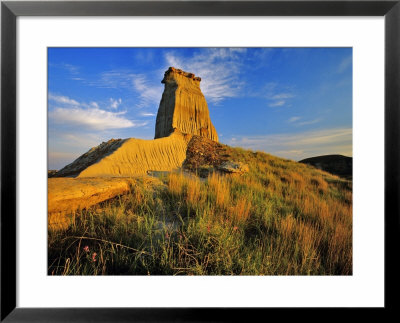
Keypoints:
pixel 176 183
pixel 219 186
pixel 280 218
pixel 319 183
pixel 297 180
pixel 193 191
pixel 241 210
pixel 287 226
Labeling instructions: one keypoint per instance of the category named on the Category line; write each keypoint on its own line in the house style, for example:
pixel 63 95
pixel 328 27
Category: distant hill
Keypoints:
pixel 335 164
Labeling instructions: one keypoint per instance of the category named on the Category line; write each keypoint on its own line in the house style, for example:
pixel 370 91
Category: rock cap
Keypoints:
pixel 179 72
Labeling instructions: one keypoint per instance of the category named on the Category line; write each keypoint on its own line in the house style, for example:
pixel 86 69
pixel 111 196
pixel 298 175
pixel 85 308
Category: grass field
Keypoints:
pixel 280 218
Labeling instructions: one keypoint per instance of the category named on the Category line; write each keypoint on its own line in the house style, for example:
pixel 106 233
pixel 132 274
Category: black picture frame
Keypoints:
pixel 10 10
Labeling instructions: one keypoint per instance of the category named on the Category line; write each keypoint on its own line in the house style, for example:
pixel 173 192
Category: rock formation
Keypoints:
pixel 129 157
pixel 138 156
pixel 67 195
pixel 183 114
pixel 183 107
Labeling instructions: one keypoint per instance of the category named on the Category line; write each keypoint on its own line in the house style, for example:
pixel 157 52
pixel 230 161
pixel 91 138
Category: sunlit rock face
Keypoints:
pixel 138 156
pixel 183 113
pixel 183 107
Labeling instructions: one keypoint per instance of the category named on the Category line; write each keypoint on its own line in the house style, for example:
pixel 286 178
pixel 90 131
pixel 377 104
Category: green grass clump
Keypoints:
pixel 280 218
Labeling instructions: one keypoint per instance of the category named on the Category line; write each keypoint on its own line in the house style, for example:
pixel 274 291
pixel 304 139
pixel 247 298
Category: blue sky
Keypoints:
pixel 290 102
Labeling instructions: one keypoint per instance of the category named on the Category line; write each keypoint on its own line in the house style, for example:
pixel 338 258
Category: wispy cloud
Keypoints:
pixel 72 69
pixel 149 93
pixel 282 96
pixel 92 118
pixel 299 145
pixel 148 114
pixel 294 119
pixel 115 103
pixel 71 72
pixel 308 122
pixel 299 121
pixel 113 79
pixel 94 105
pixel 277 103
pixel 276 94
pixel 218 68
pixel 345 64
pixel 62 99
pixel 67 111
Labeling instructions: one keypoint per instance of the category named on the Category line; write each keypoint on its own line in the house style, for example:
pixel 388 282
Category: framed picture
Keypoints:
pixel 178 216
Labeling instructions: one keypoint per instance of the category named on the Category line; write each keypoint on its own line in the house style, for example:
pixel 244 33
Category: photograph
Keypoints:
pixel 200 161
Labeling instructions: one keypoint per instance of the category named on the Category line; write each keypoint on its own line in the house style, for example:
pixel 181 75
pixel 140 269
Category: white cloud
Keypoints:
pixel 94 105
pixel 149 93
pixel 62 99
pixel 218 68
pixel 277 95
pixel 281 96
pixel 294 119
pixel 65 101
pixel 92 118
pixel 297 121
pixel 298 146
pixel 114 103
pixel 74 70
pixel 308 122
pixel 277 103
pixel 148 114
pixel 345 64
pixel 74 113
pixel 75 126
pixel 113 79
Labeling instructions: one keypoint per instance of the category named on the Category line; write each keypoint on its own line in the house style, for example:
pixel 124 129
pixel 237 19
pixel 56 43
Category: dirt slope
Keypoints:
pixel 138 156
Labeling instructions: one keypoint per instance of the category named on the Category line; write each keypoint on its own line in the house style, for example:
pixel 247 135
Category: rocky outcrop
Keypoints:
pixel 204 156
pixel 68 195
pixel 89 158
pixel 231 167
pixel 205 152
pixel 183 107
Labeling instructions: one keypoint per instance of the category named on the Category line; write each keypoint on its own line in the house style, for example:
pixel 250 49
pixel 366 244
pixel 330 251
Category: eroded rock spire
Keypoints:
pixel 183 107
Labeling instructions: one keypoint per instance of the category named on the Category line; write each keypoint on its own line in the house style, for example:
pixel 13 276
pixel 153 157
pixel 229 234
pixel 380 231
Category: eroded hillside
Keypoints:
pixel 138 156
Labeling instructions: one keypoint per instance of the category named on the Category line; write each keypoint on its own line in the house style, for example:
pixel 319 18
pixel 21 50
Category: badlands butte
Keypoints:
pixel 184 137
